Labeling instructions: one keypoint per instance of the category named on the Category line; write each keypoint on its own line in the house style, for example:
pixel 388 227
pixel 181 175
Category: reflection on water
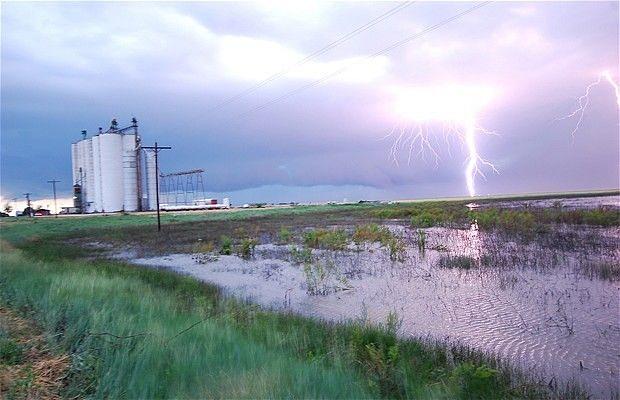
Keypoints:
pixel 472 206
pixel 474 246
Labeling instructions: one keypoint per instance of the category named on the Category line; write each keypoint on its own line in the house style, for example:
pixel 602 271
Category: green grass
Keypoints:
pixel 423 213
pixel 10 352
pixel 127 335
pixel 18 229
pixel 530 221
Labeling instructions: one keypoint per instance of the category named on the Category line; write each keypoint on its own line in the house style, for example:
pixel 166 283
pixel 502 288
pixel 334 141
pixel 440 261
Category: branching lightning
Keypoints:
pixel 584 100
pixel 430 114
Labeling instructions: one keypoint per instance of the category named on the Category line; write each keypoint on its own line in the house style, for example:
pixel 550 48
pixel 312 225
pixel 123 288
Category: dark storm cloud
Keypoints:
pixel 73 66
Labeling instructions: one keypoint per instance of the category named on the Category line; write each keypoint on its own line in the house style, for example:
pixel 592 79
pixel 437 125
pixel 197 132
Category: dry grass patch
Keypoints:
pixel 28 369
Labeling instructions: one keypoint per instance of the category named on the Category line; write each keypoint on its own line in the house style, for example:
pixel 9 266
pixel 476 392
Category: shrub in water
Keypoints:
pixel 246 249
pixel 284 235
pixel 226 245
pixel 326 239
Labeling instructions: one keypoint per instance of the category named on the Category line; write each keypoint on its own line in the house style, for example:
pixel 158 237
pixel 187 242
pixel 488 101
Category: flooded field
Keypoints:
pixel 550 306
pixel 571 203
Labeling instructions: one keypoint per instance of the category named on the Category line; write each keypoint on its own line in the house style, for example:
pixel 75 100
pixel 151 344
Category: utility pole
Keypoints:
pixel 156 149
pixel 28 203
pixel 54 182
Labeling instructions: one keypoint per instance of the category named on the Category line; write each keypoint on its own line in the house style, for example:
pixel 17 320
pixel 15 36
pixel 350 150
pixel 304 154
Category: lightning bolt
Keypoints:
pixel 426 113
pixel 422 138
pixel 474 160
pixel 584 100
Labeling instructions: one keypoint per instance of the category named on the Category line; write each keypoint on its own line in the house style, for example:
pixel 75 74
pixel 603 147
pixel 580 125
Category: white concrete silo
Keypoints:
pixel 95 197
pixel 151 176
pixel 130 173
pixel 89 179
pixel 74 164
pixel 111 164
pixel 83 173
pixel 107 167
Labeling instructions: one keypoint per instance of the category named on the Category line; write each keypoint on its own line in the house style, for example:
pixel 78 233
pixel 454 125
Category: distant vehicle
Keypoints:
pixel 41 212
pixel 3 214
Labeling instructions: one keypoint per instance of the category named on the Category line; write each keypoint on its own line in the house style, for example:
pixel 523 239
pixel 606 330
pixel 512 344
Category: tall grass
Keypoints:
pixel 127 338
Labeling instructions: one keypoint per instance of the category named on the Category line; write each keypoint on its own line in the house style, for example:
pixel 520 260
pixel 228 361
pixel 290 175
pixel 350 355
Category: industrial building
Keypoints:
pixel 108 169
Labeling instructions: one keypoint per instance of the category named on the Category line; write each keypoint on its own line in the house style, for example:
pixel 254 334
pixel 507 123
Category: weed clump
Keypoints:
pixel 204 247
pixel 477 382
pixel 303 256
pixel 246 248
pixel 331 239
pixel 371 233
pixel 226 244
pixel 421 241
pixel 322 278
pixel 426 219
pixel 513 221
pixel 284 235
pixel 374 233
pixel 530 221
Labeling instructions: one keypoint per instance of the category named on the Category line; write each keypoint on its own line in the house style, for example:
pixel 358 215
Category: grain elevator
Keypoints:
pixel 108 169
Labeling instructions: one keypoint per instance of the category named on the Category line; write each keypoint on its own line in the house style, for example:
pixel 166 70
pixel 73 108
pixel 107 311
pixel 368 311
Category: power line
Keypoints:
pixel 314 55
pixel 378 53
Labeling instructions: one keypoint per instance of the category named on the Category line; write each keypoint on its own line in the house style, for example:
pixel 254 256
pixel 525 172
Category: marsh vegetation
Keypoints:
pixel 423 300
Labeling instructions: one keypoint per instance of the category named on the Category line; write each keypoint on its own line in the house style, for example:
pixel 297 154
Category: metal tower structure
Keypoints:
pixel 183 188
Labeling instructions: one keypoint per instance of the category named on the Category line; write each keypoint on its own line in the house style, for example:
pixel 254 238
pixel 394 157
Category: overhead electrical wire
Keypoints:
pixel 378 53
pixel 313 55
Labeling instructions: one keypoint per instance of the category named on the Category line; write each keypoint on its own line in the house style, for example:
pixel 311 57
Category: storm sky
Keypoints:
pixel 73 66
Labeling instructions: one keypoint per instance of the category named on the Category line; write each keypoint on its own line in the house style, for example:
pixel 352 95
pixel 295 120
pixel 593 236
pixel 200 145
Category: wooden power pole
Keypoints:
pixel 156 149
pixel 54 182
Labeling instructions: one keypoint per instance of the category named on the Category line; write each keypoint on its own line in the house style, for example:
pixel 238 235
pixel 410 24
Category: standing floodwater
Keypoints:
pixel 549 306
